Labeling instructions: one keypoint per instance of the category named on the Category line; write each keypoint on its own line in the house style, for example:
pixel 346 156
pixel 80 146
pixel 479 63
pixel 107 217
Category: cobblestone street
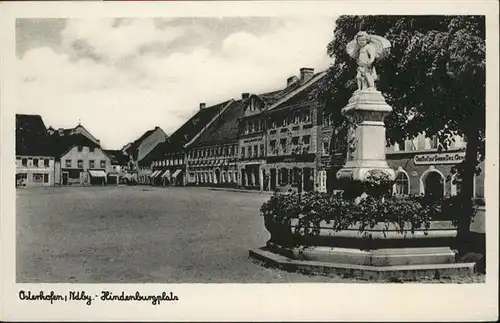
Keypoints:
pixel 145 235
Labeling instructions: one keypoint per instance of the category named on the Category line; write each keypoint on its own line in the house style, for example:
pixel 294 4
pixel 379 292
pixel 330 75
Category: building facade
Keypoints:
pixel 168 161
pixel 423 167
pixel 34 161
pixel 281 138
pixel 140 149
pixel 212 156
pixel 81 162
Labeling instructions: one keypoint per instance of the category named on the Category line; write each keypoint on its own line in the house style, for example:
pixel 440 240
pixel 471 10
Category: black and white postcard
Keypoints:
pixel 249 160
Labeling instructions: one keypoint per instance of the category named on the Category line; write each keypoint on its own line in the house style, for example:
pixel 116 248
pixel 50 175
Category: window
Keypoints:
pixel 68 163
pixel 225 151
pixel 284 176
pixel 46 162
pixel 249 151
pixel 80 148
pixel 103 164
pixel 21 179
pixel 274 124
pixel 37 178
pixel 91 164
pixel 401 184
pixel 91 149
pixel 307 117
pixel 262 150
pixel 327 121
pixel 24 161
pixel 272 145
pixel 326 147
pixel 45 178
pixel 242 152
pixel 283 145
pixel 295 141
pixel 35 162
pixel 80 163
pixel 434 142
pixel 306 140
pixel 256 150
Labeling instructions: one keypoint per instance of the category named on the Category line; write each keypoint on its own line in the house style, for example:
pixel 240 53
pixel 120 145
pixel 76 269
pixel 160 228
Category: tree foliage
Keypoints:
pixel 433 78
pixel 435 72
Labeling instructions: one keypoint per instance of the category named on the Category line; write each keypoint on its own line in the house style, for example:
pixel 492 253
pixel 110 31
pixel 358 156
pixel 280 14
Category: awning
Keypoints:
pixel 153 174
pixel 176 172
pixel 166 174
pixel 97 173
pixel 158 173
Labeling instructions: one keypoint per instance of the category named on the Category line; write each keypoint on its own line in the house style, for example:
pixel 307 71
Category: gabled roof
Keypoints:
pixel 117 157
pixel 224 129
pixel 31 136
pixel 175 143
pixel 135 144
pixel 79 129
pixel 301 94
pixel 62 144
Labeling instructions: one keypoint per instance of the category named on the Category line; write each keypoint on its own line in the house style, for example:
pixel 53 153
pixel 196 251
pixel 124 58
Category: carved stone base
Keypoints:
pixel 354 173
pixel 366 111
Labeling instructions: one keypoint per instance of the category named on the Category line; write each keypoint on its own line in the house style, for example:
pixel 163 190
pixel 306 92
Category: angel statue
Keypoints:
pixel 366 49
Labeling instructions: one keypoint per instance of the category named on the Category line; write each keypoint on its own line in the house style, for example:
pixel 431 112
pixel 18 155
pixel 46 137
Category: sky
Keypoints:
pixel 121 77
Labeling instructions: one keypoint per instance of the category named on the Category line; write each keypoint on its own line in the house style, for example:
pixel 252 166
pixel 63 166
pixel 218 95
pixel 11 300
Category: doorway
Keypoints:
pixel 65 178
pixel 434 185
pixel 273 179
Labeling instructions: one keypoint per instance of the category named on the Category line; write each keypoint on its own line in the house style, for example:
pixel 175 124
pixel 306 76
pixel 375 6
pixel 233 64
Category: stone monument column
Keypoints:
pixel 366 111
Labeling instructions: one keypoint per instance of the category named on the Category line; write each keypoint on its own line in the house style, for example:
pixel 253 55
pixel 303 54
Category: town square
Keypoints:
pixel 366 164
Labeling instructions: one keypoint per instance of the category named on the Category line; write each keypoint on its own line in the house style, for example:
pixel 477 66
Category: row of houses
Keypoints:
pixel 277 140
pixel 46 156
pixel 283 140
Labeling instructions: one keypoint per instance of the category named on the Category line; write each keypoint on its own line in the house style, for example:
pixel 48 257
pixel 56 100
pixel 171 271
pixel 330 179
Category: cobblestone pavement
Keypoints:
pixel 145 235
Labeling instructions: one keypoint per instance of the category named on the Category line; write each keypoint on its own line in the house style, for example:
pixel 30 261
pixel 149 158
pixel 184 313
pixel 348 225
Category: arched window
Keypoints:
pixel 401 184
pixel 434 184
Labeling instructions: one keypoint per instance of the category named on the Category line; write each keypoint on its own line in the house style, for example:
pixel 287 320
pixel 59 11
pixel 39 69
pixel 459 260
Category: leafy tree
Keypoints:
pixel 434 79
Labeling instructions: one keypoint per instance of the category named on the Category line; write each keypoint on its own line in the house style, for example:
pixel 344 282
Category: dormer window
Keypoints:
pixel 80 149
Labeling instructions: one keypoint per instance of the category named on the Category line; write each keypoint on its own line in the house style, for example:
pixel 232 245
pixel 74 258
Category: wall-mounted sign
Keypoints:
pixel 439 158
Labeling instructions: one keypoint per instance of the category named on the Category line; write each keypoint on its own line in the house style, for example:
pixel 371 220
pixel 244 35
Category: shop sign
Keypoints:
pixel 439 158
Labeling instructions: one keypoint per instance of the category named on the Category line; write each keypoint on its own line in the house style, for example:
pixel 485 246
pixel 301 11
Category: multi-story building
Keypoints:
pixel 281 134
pixel 79 160
pixel 139 149
pixel 212 155
pixel 422 167
pixel 168 160
pixel 34 158
pixel 252 142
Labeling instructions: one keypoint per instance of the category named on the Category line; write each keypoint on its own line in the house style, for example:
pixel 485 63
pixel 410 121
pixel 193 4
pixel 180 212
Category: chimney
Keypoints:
pixel 245 96
pixel 291 80
pixel 157 127
pixel 202 106
pixel 306 74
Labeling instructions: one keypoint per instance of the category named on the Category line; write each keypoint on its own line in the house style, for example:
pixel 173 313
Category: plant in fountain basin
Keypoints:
pixel 311 209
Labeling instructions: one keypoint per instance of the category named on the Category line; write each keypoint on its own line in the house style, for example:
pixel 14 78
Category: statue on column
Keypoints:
pixel 366 49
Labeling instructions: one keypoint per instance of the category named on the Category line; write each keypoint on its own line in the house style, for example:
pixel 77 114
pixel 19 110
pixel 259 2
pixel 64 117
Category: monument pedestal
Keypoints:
pixel 366 111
